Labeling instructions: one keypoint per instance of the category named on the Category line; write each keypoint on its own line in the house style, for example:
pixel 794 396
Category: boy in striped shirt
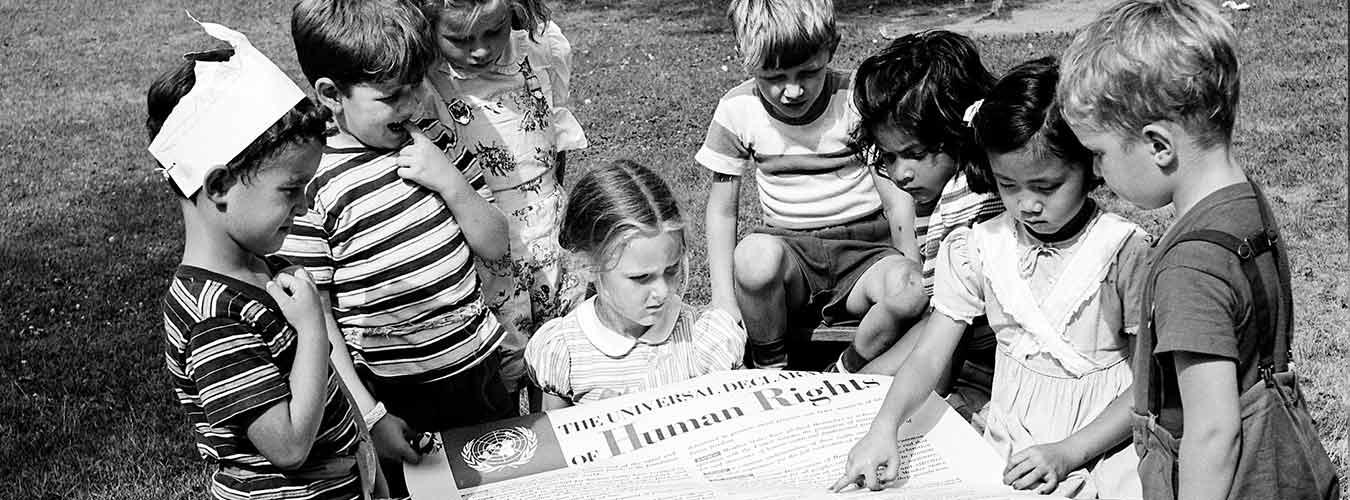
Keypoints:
pixel 834 241
pixel 393 230
pixel 245 339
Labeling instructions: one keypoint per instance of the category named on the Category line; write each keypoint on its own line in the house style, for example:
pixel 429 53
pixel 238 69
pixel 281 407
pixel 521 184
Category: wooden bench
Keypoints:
pixel 816 348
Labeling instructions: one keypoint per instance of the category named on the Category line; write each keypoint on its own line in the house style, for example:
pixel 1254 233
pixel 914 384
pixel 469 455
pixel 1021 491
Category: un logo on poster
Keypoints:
pixel 500 449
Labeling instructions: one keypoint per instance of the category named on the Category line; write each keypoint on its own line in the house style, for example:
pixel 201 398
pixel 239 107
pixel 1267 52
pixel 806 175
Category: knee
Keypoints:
pixel 902 292
pixel 758 262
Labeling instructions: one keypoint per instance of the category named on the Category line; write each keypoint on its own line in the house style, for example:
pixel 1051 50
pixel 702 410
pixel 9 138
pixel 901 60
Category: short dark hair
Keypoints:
pixel 362 41
pixel 921 84
pixel 1021 112
pixel 305 122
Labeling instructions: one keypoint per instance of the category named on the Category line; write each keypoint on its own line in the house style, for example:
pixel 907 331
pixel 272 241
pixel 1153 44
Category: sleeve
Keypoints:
pixel 723 150
pixel 721 341
pixel 437 121
pixel 558 51
pixel 234 371
pixel 548 360
pixel 958 290
pixel 1197 306
pixel 1131 271
pixel 307 244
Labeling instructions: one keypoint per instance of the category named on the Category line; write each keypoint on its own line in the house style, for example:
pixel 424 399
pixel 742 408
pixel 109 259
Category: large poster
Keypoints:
pixel 739 434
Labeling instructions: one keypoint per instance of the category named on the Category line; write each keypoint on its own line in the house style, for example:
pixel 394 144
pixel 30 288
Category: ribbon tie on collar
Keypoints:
pixel 1026 263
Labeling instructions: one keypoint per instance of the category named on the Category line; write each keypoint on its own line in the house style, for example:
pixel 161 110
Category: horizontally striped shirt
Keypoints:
pixel 578 358
pixel 406 294
pixel 229 352
pixel 958 206
pixel 745 135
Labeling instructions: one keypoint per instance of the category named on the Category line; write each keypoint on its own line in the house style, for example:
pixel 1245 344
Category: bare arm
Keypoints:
pixel 920 372
pixel 285 432
pixel 1211 417
pixel 899 208
pixel 1044 466
pixel 723 199
pixel 391 434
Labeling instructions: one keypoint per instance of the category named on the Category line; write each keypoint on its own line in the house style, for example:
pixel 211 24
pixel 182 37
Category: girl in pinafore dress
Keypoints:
pixel 1059 280
pixel 503 92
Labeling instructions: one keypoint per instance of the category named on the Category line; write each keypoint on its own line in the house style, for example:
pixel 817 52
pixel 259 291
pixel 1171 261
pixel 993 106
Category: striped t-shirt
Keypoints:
pixel 744 136
pixel 578 358
pixel 406 294
pixel 229 352
pixel 958 206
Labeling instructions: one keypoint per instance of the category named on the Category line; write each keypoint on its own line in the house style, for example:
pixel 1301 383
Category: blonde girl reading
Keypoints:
pixel 636 333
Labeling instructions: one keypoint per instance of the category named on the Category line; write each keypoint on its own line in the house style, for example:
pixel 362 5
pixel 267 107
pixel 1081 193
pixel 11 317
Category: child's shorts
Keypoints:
pixel 473 396
pixel 831 260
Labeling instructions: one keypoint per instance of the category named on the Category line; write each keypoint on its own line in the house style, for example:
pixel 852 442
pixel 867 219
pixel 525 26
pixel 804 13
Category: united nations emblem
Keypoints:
pixel 500 449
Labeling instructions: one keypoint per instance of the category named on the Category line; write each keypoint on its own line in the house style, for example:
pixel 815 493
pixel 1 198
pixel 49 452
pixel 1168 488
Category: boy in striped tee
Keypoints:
pixel 245 340
pixel 831 246
pixel 393 230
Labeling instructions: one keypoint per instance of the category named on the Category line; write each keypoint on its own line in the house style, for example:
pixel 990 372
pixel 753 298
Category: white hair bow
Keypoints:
pixel 973 108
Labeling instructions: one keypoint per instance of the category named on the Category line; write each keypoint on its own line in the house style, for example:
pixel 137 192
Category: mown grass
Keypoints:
pixel 89 235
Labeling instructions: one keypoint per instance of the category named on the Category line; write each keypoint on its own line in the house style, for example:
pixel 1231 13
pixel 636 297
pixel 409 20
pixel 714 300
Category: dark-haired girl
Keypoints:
pixel 910 98
pixel 1056 278
pixel 636 333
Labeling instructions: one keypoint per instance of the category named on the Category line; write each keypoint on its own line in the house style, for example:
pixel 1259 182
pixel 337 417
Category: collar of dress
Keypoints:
pixel 617 344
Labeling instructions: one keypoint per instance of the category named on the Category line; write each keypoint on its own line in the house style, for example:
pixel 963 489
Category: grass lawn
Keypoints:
pixel 89 234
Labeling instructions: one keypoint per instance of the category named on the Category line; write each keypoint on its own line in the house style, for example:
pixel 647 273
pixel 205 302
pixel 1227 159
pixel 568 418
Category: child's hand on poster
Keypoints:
pixel 872 463
pixel 1041 466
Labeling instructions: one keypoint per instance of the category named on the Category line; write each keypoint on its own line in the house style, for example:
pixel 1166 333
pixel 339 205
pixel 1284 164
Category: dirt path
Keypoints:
pixel 1016 17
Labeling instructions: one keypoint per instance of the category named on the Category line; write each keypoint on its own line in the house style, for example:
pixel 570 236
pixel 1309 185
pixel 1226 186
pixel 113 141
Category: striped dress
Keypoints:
pixel 578 358
pixel 407 297
pixel 229 352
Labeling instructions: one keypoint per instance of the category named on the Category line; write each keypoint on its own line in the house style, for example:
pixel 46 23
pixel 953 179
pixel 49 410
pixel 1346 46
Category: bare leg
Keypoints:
pixel 767 284
pixel 889 296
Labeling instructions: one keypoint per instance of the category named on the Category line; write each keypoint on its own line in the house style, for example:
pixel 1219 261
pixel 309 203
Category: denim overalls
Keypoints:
pixel 1280 455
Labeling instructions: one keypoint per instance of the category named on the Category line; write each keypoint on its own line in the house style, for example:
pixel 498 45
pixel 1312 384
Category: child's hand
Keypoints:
pixel 393 439
pixel 875 458
pixel 298 298
pixel 424 163
pixel 1042 466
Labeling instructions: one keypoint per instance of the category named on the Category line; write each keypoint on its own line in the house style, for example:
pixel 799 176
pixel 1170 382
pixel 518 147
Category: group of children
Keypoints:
pixel 395 255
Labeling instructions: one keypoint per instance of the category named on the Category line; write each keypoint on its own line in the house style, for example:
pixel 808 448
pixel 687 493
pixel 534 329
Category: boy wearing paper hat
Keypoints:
pixel 393 230
pixel 245 339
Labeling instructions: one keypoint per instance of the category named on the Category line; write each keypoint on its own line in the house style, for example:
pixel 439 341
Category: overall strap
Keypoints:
pixel 1274 353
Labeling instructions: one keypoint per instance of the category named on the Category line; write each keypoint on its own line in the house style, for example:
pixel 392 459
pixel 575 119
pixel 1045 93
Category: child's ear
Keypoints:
pixel 1161 143
pixel 328 94
pixel 216 185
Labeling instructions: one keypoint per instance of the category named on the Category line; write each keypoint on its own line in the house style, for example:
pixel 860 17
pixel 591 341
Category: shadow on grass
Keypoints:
pixel 83 361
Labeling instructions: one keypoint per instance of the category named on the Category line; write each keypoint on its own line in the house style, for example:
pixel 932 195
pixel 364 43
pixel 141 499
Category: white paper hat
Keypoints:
pixel 230 105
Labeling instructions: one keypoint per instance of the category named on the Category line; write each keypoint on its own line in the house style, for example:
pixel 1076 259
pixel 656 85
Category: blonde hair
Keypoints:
pixel 1143 61
pixel 611 204
pixel 777 34
pixel 527 15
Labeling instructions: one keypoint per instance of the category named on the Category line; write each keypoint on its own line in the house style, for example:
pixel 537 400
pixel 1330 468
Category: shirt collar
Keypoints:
pixel 616 344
